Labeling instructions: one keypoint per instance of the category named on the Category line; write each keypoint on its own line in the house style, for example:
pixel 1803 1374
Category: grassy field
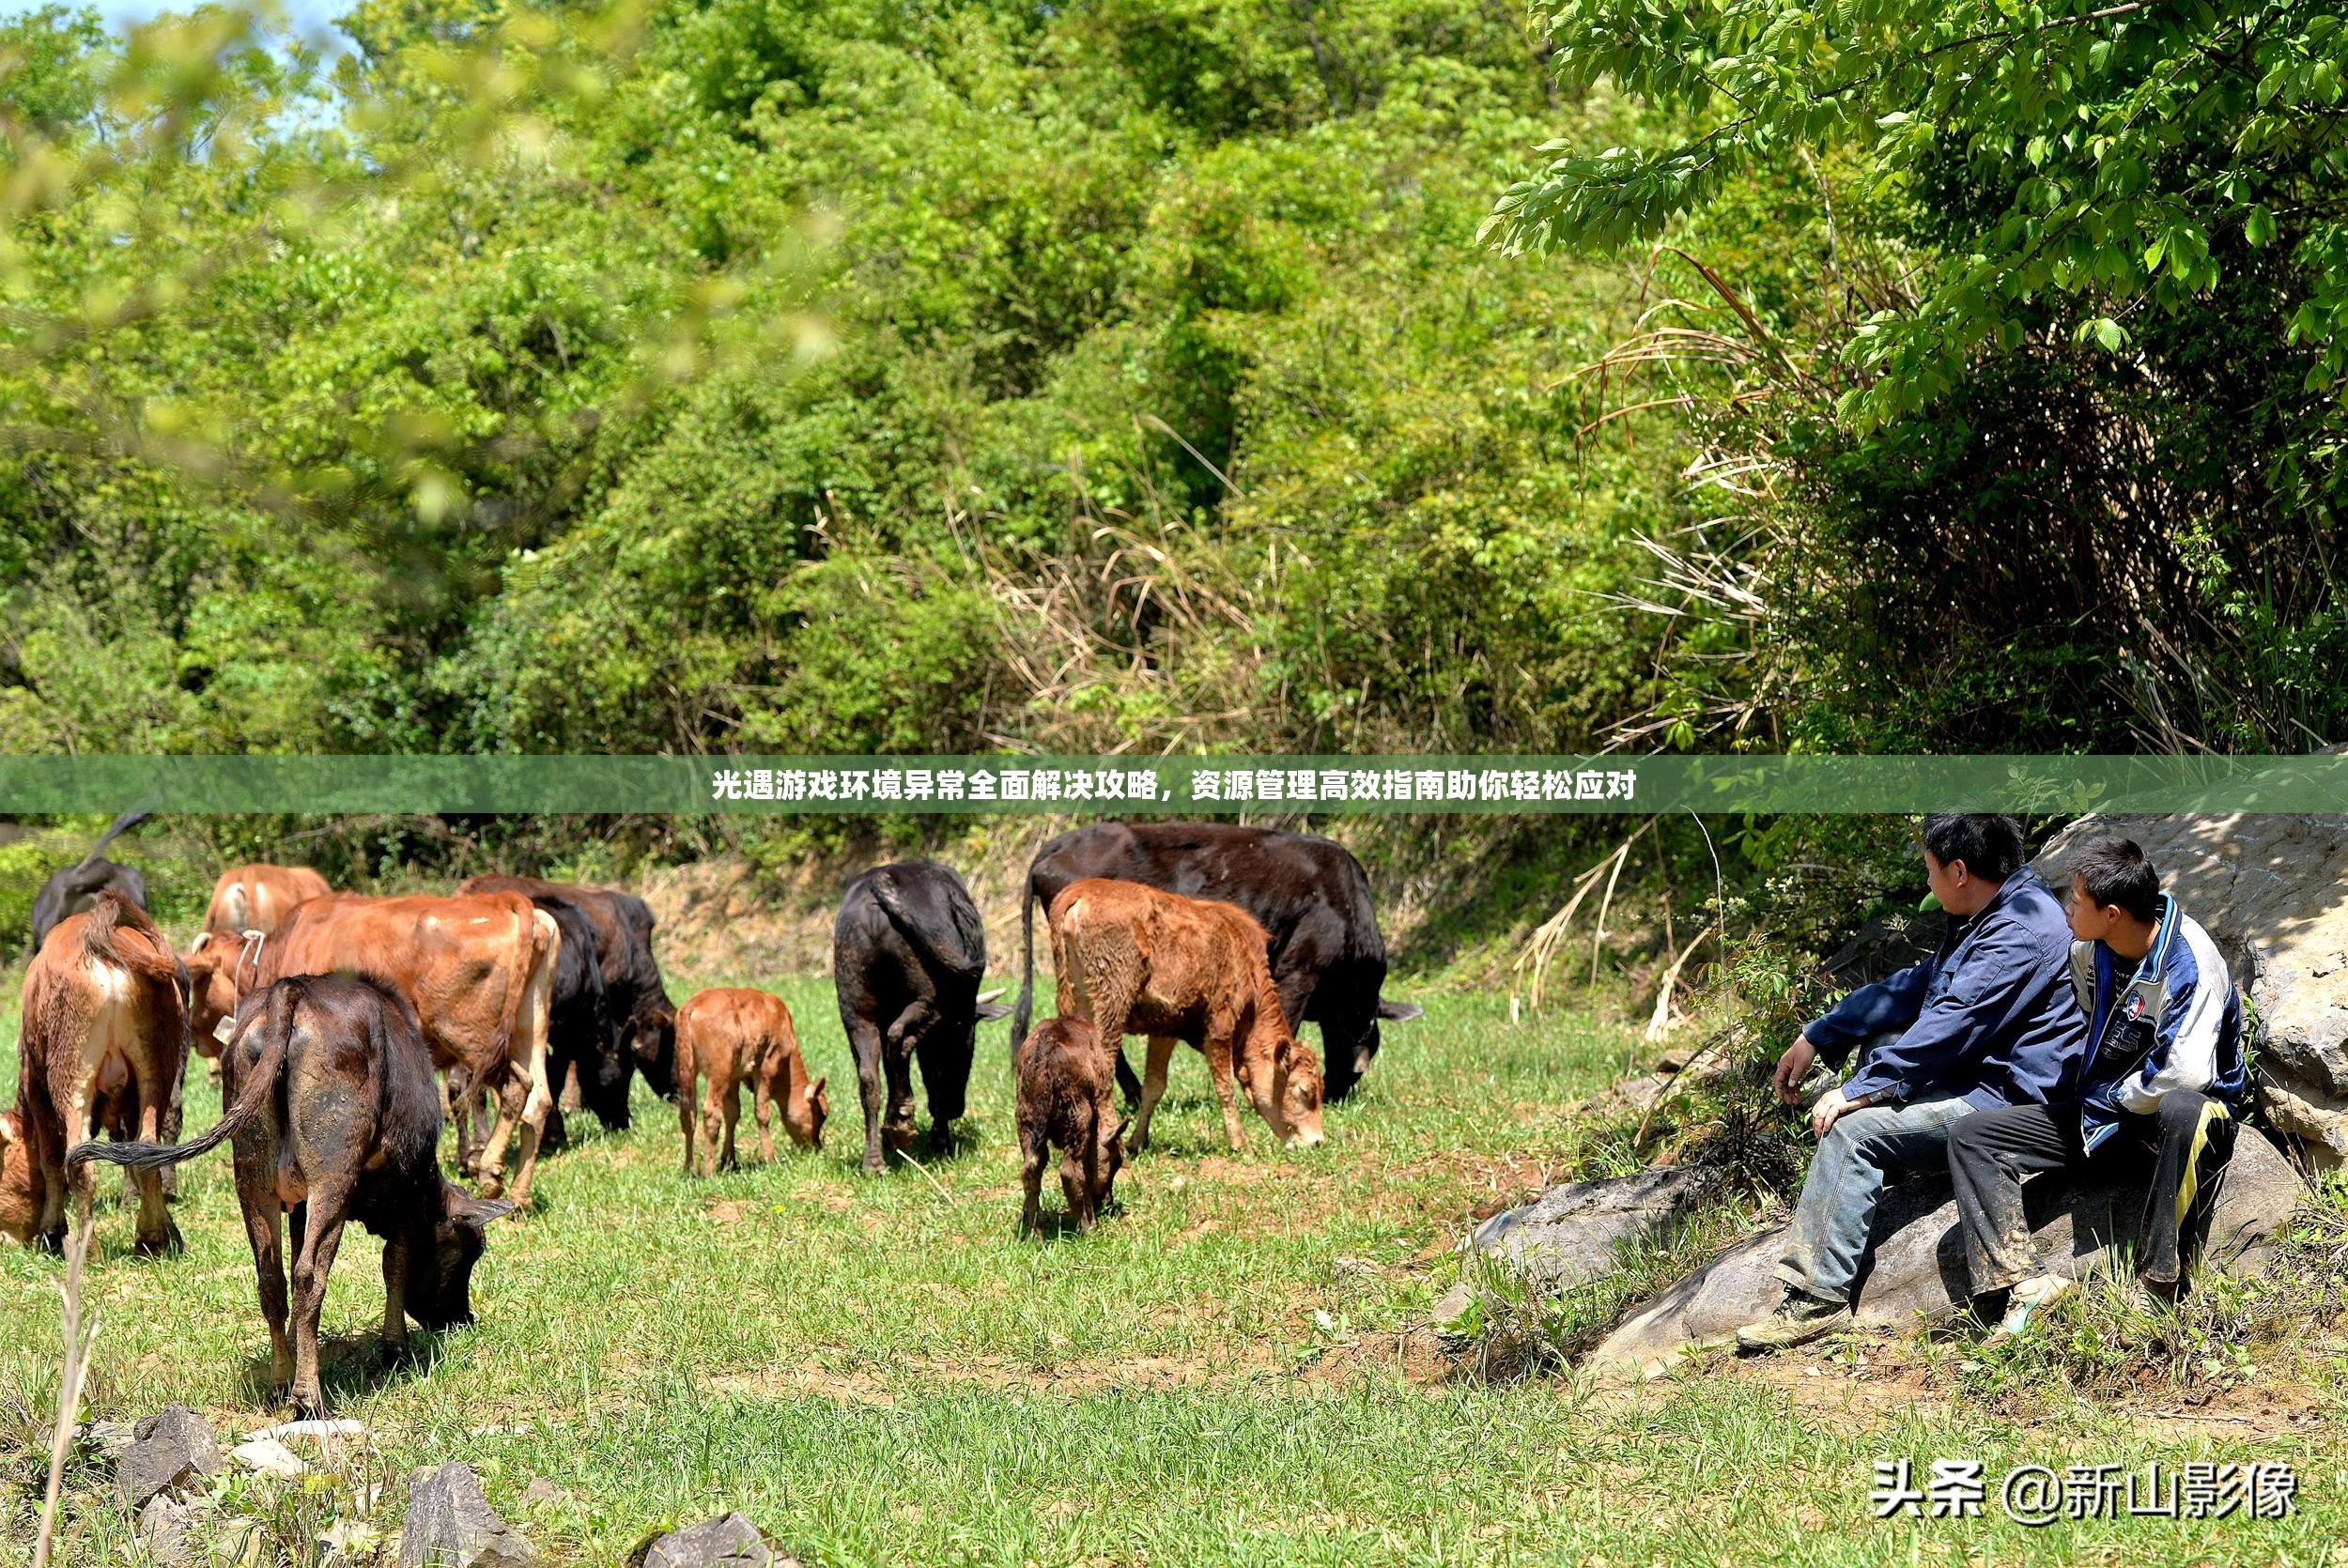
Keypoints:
pixel 882 1371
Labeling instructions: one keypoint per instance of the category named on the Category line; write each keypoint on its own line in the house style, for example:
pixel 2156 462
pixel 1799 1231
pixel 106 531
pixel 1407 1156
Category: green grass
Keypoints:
pixel 877 1370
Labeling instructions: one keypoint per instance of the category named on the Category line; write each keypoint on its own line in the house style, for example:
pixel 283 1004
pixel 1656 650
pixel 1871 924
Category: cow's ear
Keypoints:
pixel 815 1090
pixel 1117 1136
pixel 462 1204
pixel 1400 1012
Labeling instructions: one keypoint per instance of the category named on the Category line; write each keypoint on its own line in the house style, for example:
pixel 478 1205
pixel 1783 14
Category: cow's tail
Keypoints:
pixel 1025 1008
pixel 533 946
pixel 276 1024
pixel 964 954
pixel 122 824
pixel 150 958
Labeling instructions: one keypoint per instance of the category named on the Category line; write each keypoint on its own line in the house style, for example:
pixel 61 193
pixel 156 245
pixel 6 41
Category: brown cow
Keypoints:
pixel 336 1118
pixel 1065 1079
pixel 479 970
pixel 1134 959
pixel 19 1207
pixel 103 1031
pixel 728 1034
pixel 258 897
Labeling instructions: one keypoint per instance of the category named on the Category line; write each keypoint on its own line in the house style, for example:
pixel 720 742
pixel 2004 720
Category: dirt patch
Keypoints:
pixel 1131 1374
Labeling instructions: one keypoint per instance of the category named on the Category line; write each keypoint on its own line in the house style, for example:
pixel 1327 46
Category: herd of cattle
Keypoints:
pixel 348 1030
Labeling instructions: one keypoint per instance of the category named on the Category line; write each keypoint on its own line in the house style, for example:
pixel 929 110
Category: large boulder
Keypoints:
pixel 1573 1233
pixel 2273 892
pixel 1917 1272
pixel 727 1541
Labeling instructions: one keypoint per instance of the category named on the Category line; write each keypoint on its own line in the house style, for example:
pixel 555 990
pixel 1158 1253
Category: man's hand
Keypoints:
pixel 1832 1106
pixel 1793 1067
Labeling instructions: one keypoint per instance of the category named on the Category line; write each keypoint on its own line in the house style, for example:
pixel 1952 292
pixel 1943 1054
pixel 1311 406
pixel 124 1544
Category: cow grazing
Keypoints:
pixel 1064 1075
pixel 479 971
pixel 1309 895
pixel 730 1036
pixel 256 897
pixel 1136 959
pixel 101 1046
pixel 636 998
pixel 335 1117
pixel 74 888
pixel 907 953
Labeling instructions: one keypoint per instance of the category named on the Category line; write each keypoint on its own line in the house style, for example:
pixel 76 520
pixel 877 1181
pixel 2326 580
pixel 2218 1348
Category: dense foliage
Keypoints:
pixel 805 375
pixel 2020 349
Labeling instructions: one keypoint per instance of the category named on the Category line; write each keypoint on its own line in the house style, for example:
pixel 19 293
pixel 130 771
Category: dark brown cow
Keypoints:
pixel 103 1031
pixel 336 1118
pixel 479 971
pixel 73 889
pixel 730 1035
pixel 634 996
pixel 258 897
pixel 1066 1078
pixel 1134 959
pixel 1308 893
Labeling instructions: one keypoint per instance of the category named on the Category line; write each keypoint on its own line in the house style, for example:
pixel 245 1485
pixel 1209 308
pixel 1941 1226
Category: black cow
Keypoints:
pixel 336 1115
pixel 71 890
pixel 1310 894
pixel 636 1001
pixel 907 952
pixel 583 1051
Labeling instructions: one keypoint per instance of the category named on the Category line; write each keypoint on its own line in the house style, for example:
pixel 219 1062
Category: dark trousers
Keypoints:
pixel 1990 1151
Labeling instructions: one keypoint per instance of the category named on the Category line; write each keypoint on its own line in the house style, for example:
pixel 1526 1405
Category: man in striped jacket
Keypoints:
pixel 2163 1067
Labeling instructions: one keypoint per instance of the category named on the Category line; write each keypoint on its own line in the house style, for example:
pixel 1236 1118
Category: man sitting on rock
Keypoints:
pixel 1987 1020
pixel 2163 1067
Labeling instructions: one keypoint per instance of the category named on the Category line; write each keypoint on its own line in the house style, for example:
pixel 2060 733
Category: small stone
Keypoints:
pixel 451 1524
pixel 731 1542
pixel 170 1450
pixel 166 1532
pixel 540 1492
pixel 1353 1268
pixel 270 1457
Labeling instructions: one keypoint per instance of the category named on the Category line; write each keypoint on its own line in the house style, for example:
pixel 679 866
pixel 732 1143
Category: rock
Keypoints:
pixel 169 1450
pixel 541 1493
pixel 111 1439
pixel 168 1532
pixel 451 1524
pixel 2273 892
pixel 731 1542
pixel 1570 1234
pixel 1917 1267
pixel 269 1457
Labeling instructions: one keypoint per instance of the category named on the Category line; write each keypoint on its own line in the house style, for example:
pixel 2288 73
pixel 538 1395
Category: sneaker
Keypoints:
pixel 1799 1319
pixel 2031 1296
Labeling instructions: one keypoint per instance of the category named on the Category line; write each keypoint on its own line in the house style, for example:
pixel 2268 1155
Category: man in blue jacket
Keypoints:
pixel 2164 1068
pixel 1987 1020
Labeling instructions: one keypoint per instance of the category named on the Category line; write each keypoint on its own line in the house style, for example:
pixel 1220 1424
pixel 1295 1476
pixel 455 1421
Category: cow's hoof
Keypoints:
pixel 52 1242
pixel 169 1244
pixel 489 1184
pixel 873 1166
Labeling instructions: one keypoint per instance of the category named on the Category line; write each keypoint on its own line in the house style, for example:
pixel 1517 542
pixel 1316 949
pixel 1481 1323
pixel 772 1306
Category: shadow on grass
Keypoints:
pixel 349 1365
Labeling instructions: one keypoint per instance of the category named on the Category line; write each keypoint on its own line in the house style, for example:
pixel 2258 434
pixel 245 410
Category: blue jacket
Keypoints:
pixel 1990 1016
pixel 2174 1023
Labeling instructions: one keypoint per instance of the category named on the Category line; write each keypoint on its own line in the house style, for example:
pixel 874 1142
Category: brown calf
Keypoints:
pixel 1065 1077
pixel 101 1046
pixel 336 1118
pixel 479 971
pixel 258 897
pixel 728 1034
pixel 19 1207
pixel 1133 959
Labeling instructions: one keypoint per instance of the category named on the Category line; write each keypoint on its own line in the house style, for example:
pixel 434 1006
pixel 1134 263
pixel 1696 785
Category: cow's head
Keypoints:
pixel 1352 1048
pixel 1088 1176
pixel 211 967
pixel 18 1212
pixel 804 1113
pixel 438 1294
pixel 1286 1093
pixel 651 1042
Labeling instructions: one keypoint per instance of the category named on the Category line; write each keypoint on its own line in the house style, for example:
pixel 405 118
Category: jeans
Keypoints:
pixel 1837 1207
